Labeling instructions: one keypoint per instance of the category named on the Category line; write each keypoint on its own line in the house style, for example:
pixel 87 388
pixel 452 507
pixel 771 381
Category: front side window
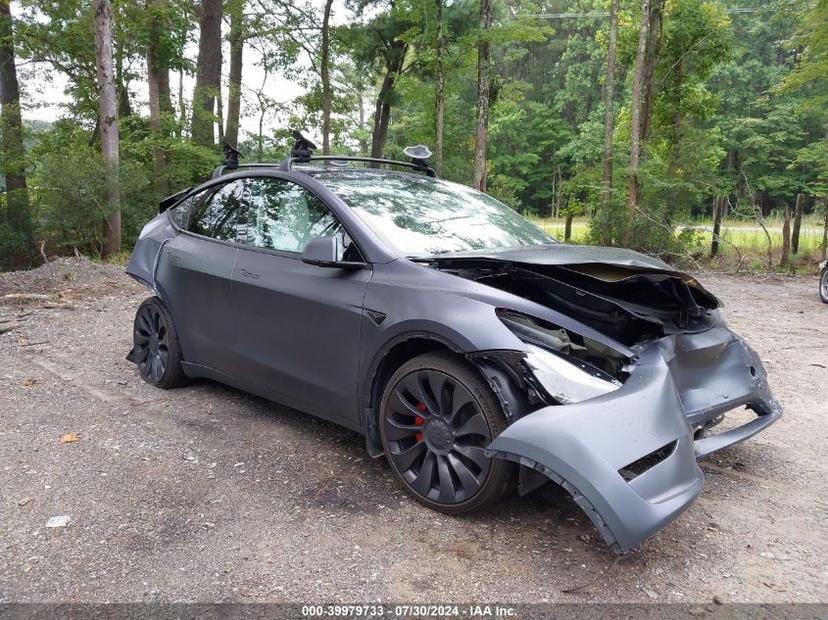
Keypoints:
pixel 284 216
pixel 223 214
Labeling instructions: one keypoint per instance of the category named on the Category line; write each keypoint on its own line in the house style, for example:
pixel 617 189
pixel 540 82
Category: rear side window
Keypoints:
pixel 182 213
pixel 284 216
pixel 223 214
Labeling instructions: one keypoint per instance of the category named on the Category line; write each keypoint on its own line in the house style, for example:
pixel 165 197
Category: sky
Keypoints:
pixel 45 98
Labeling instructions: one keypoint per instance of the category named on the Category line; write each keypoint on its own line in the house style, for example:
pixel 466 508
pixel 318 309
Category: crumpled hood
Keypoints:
pixel 566 254
pixel 622 293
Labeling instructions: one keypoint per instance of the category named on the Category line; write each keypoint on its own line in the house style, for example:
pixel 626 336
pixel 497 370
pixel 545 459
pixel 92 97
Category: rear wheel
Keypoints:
pixel 437 416
pixel 823 285
pixel 155 345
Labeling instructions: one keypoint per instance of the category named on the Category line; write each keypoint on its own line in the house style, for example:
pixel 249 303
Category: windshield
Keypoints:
pixel 421 216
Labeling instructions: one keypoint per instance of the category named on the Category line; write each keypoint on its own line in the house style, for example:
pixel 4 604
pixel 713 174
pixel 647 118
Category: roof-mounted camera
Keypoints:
pixel 303 148
pixel 419 155
pixel 231 157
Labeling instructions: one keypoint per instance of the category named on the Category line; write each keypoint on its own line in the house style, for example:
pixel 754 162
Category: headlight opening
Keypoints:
pixel 569 367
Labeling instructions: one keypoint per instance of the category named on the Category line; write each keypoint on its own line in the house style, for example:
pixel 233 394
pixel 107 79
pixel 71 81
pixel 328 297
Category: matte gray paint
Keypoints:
pixel 309 337
pixel 587 443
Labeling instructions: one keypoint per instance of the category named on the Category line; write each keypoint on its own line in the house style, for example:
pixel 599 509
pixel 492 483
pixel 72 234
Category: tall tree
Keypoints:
pixel 208 72
pixel 609 112
pixel 108 102
pixel 237 37
pixel 635 108
pixel 650 57
pixel 325 74
pixel 439 88
pixel 481 135
pixel 393 53
pixel 158 81
pixel 17 220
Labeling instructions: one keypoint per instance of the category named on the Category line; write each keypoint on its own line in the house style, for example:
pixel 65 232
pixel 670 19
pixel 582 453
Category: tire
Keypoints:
pixel 156 350
pixel 823 285
pixel 436 416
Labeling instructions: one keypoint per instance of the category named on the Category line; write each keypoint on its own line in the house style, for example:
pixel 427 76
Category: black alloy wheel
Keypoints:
pixel 438 415
pixel 155 345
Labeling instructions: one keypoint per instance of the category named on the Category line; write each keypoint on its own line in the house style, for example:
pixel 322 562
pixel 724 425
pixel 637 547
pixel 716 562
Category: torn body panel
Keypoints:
pixel 629 457
pixel 143 263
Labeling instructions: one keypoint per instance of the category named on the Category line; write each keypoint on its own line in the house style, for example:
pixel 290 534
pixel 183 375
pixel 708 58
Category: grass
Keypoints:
pixel 746 236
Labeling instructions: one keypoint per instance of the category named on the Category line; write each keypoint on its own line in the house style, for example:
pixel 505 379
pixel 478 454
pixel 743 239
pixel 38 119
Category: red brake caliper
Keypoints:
pixel 419 421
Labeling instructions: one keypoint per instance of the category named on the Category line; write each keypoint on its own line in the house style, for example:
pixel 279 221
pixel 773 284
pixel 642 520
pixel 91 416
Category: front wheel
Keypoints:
pixel 823 285
pixel 437 416
pixel 155 348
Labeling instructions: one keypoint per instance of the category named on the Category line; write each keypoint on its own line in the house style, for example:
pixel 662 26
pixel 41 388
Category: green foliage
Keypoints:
pixel 810 75
pixel 739 106
pixel 68 191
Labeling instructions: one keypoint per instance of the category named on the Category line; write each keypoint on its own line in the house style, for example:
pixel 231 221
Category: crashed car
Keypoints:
pixel 473 350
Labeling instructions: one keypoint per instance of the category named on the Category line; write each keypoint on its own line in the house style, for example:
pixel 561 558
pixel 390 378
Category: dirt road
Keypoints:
pixel 207 494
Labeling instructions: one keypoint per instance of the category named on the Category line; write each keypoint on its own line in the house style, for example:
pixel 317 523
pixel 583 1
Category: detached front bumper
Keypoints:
pixel 629 457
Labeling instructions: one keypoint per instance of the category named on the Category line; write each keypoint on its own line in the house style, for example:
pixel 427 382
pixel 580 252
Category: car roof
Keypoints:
pixel 346 172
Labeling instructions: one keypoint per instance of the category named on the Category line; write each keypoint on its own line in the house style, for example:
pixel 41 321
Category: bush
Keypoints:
pixel 68 182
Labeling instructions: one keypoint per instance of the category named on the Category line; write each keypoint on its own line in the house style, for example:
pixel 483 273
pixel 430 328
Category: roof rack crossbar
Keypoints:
pixel 288 163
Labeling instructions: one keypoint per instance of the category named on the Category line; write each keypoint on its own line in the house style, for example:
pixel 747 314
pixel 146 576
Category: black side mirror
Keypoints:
pixel 325 252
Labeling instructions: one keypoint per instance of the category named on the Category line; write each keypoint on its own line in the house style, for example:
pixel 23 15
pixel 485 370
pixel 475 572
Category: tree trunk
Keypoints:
pixel 220 115
pixel 394 61
pixel 231 134
pixel 382 112
pixel 363 143
pixel 797 223
pixel 158 81
pixel 109 125
pixel 635 111
pixel 568 227
pixel 481 136
pixel 786 237
pixel 651 54
pixel 121 85
pixel 609 117
pixel 208 72
pixel 182 105
pixel 718 208
pixel 17 216
pixel 325 74
pixel 558 193
pixel 439 90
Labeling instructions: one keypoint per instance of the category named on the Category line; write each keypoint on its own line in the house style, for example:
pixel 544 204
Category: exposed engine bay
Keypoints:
pixel 628 304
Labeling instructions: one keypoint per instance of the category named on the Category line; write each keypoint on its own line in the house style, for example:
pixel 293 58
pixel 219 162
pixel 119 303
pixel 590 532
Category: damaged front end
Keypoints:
pixel 619 427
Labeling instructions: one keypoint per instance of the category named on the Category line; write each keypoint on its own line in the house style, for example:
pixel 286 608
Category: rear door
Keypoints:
pixel 195 273
pixel 298 325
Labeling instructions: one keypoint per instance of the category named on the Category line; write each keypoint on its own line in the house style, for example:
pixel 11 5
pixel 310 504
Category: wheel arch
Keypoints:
pixel 394 354
pixel 493 367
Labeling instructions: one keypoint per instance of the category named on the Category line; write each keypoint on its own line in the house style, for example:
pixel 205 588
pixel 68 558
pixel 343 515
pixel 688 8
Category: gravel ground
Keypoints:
pixel 208 494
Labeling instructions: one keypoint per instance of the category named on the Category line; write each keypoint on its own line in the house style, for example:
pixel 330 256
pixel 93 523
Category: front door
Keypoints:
pixel 298 325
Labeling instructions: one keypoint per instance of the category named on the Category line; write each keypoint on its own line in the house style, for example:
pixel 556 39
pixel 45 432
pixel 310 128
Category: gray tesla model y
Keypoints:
pixel 474 351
